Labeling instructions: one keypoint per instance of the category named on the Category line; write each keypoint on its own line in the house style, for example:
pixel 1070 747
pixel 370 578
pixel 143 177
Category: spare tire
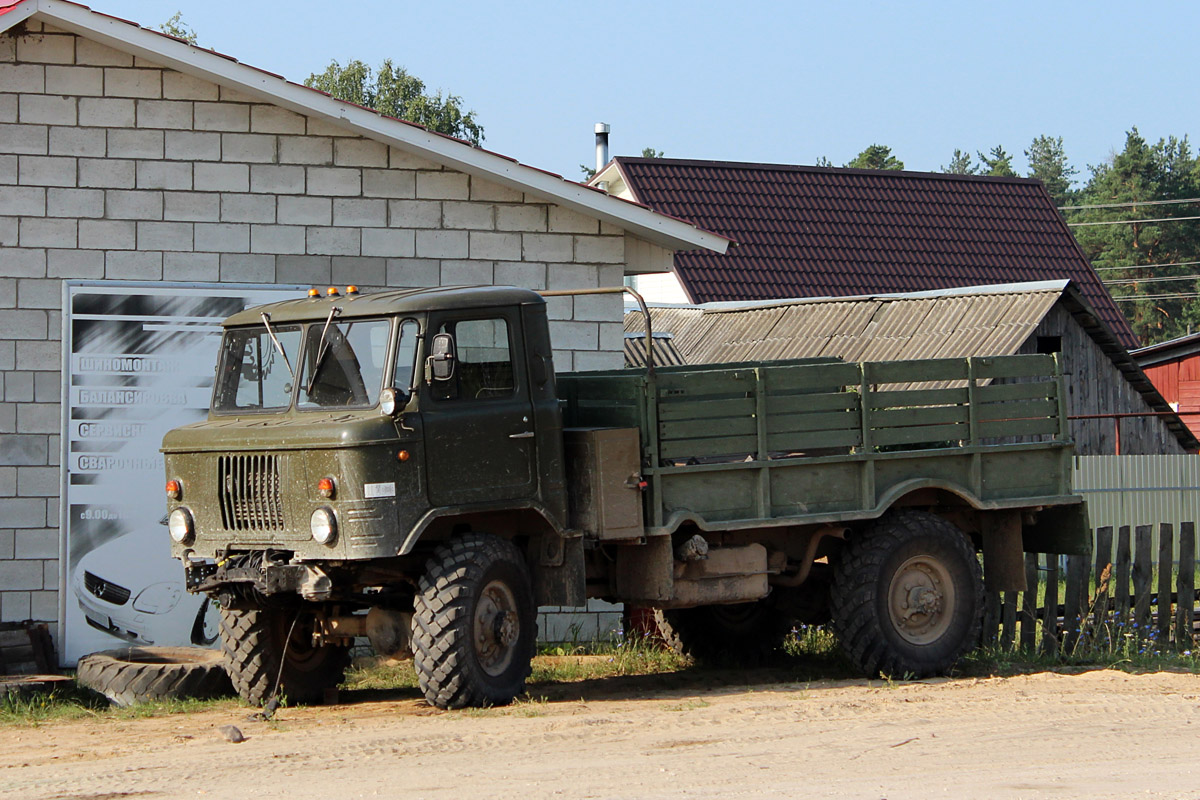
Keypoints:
pixel 132 675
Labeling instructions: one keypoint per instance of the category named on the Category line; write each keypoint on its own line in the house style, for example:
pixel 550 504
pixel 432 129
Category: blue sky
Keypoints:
pixel 749 81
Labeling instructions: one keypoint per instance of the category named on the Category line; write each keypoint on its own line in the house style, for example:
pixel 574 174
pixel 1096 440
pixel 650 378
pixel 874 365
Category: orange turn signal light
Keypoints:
pixel 174 490
pixel 325 487
pixel 402 455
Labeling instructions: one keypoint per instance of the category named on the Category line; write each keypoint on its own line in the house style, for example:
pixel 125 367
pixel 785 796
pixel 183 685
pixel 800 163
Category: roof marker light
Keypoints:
pixel 314 293
pixel 332 291
pixel 352 289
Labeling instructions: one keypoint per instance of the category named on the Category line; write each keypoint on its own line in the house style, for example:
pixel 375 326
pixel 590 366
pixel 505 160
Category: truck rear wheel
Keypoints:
pixel 267 645
pixel 475 623
pixel 907 596
pixel 743 634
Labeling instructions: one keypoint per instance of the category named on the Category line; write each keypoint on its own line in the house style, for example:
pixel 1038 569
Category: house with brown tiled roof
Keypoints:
pixel 829 232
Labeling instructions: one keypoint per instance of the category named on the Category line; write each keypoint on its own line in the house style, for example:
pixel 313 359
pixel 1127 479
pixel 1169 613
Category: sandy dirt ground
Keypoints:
pixel 1097 734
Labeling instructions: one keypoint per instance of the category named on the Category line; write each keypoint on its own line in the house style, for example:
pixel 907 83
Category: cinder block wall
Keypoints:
pixel 115 168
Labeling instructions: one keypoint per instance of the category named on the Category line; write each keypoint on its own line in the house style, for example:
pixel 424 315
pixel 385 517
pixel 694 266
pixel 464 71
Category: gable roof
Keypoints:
pixel 1170 350
pixel 816 232
pixel 948 323
pixel 166 50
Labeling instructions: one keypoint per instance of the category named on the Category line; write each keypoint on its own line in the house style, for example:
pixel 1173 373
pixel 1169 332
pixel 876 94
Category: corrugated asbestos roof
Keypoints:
pixel 953 323
pixel 821 232
pixel 879 328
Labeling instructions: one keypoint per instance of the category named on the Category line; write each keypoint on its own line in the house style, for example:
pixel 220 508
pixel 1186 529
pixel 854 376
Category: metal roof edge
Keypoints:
pixel 1057 285
pixel 665 231
pixel 1161 352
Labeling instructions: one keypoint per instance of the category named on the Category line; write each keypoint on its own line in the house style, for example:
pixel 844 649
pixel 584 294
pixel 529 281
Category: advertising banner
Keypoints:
pixel 138 360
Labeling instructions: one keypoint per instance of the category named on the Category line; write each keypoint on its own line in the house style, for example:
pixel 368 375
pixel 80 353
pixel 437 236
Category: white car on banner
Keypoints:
pixel 141 601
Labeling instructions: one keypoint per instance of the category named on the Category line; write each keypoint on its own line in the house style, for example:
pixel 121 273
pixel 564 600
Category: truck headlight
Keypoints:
pixel 180 524
pixel 323 525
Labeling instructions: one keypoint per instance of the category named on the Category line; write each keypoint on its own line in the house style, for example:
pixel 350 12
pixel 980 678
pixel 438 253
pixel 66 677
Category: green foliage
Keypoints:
pixel 1048 163
pixel 877 156
pixel 997 163
pixel 392 91
pixel 650 152
pixel 1142 173
pixel 960 164
pixel 176 27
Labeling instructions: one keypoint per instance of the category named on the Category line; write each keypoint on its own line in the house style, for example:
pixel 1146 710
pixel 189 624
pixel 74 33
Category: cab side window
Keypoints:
pixel 484 366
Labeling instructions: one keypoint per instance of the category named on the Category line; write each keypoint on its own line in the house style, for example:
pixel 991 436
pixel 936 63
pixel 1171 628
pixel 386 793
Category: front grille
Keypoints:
pixel 108 592
pixel 250 493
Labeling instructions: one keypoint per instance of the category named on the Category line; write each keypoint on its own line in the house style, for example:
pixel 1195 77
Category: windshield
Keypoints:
pixel 343 363
pixel 254 376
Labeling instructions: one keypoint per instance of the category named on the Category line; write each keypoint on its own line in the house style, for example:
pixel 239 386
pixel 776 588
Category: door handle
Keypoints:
pixel 525 435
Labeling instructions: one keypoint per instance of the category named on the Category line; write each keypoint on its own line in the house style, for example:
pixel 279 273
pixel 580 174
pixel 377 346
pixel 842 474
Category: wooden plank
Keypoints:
pixel 1017 427
pixel 714 446
pixel 1103 572
pixel 931 434
pixel 1029 603
pixel 934 369
pixel 1019 409
pixel 1073 610
pixel 808 440
pixel 1008 621
pixel 1004 392
pixel 814 377
pixel 1121 582
pixel 706 429
pixel 1142 567
pixel 922 415
pixel 822 421
pixel 705 383
pixel 990 630
pixel 1024 366
pixel 1166 559
pixel 806 403
pixel 1185 619
pixel 673 410
pixel 919 397
pixel 1050 611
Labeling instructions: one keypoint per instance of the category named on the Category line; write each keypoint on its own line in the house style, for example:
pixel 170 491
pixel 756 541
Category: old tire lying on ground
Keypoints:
pixel 475 623
pixel 907 596
pixel 258 642
pixel 132 675
pixel 745 634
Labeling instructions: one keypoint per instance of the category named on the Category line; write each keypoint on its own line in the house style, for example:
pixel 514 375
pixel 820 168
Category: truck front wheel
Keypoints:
pixel 474 626
pixel 268 646
pixel 907 596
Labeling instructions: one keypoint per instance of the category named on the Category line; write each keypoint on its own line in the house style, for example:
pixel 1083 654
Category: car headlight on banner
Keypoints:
pixel 180 524
pixel 157 598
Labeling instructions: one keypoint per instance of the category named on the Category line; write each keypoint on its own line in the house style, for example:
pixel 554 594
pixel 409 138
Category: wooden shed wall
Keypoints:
pixel 1096 386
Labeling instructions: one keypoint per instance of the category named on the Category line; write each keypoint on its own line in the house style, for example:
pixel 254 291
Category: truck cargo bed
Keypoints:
pixel 798 442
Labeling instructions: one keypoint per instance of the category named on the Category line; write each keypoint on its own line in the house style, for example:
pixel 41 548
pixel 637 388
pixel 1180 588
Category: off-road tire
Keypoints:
pixel 933 559
pixel 744 634
pixel 253 642
pixel 455 668
pixel 130 675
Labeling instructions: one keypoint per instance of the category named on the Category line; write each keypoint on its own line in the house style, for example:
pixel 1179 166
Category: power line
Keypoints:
pixel 1129 221
pixel 1145 266
pixel 1131 205
pixel 1127 281
pixel 1130 298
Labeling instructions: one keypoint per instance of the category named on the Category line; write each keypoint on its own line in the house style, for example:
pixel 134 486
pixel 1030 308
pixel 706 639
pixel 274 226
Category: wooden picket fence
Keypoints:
pixel 1128 596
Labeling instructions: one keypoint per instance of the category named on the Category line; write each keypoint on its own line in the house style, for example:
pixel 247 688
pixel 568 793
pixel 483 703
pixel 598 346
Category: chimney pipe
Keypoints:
pixel 602 130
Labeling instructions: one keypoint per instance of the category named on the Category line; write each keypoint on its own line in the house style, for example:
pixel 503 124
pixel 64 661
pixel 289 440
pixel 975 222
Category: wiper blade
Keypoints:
pixel 324 348
pixel 266 318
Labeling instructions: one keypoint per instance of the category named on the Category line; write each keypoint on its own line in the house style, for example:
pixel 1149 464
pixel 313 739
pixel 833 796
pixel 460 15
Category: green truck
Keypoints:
pixel 407 466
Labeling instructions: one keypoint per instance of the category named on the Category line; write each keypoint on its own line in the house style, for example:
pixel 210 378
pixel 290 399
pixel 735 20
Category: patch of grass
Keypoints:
pixel 381 675
pixel 637 655
pixel 37 708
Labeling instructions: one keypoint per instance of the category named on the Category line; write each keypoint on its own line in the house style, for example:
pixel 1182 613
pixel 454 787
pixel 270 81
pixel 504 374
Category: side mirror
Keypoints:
pixel 439 366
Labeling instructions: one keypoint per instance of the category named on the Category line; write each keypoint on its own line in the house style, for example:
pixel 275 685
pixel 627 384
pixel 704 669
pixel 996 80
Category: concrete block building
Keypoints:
pixel 128 155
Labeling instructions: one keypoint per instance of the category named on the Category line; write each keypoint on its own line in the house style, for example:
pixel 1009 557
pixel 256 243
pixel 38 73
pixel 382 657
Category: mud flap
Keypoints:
pixel 1060 529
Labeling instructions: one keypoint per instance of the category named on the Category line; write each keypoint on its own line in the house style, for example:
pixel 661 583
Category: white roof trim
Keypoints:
pixel 1056 286
pixel 639 221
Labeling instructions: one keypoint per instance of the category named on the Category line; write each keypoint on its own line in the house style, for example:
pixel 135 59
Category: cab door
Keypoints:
pixel 480 442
